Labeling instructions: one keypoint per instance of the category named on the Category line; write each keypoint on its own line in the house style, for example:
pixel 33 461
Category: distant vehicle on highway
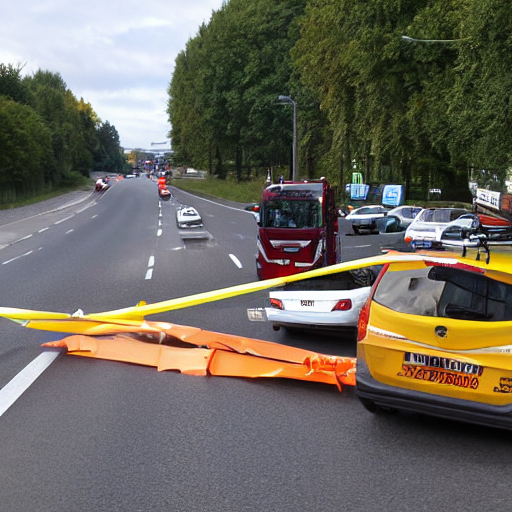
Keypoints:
pixel 255 209
pixel 365 218
pixel 327 303
pixel 188 217
pixel 424 232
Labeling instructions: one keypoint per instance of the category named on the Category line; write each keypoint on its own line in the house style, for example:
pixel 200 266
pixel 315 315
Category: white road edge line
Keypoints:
pixel 21 382
pixel 236 261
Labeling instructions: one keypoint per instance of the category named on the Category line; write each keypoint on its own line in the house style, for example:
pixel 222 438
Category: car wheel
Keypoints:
pixel 372 407
pixel 356 230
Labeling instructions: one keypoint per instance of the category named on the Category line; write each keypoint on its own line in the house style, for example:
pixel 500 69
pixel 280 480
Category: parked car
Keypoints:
pixel 435 338
pixel 424 232
pixel 188 217
pixel 472 230
pixel 328 302
pixel 254 208
pixel 365 218
pixel 398 219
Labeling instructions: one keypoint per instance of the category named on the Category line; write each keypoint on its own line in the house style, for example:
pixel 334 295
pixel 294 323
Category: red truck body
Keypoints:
pixel 298 228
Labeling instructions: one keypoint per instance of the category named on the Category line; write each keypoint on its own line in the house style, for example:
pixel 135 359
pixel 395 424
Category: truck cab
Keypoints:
pixel 298 228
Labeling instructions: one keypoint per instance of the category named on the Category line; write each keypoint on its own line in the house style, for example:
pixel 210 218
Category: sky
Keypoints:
pixel 118 55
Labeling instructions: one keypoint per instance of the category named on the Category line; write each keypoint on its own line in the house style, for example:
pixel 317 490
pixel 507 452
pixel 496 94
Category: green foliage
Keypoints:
pixel 223 94
pixel 26 149
pixel 49 138
pixel 11 85
pixel 418 113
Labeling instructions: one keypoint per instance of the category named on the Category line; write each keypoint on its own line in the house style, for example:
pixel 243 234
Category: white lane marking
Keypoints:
pixel 85 207
pixel 17 257
pixel 94 216
pixel 24 238
pixel 21 382
pixel 65 219
pixel 236 261
pixel 218 204
pixel 41 230
pixel 149 273
pixel 151 262
pixel 159 232
pixel 69 231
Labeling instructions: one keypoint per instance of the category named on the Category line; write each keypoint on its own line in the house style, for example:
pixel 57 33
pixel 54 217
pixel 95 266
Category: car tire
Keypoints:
pixel 356 230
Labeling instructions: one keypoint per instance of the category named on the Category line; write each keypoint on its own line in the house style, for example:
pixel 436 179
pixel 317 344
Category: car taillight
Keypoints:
pixel 408 239
pixel 364 317
pixel 342 305
pixel 276 304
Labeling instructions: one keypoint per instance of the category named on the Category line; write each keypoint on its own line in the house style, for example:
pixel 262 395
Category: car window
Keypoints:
pixel 445 292
pixel 410 213
pixel 348 280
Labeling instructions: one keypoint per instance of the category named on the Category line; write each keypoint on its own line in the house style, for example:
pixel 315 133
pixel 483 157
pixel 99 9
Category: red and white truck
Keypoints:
pixel 298 228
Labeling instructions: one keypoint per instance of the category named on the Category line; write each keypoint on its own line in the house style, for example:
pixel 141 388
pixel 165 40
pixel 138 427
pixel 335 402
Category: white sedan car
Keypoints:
pixel 328 302
pixel 424 232
pixel 365 217
pixel 188 217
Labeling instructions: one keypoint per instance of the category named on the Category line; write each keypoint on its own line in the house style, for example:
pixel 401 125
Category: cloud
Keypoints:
pixel 118 55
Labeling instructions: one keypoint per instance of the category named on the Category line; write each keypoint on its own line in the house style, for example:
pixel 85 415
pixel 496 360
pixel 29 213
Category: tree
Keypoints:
pixel 26 150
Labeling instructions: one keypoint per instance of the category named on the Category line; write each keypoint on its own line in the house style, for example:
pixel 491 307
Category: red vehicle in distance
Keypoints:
pixel 298 228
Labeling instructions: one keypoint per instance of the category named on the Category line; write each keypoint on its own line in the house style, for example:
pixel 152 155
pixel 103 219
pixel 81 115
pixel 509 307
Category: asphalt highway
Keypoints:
pixel 92 435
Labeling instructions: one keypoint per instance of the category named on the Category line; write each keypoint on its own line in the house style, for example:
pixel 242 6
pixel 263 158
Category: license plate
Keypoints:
pixel 307 303
pixel 423 244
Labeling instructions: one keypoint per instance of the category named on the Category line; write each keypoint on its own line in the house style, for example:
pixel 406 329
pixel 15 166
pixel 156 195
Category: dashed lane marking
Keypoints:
pixel 17 258
pixel 236 261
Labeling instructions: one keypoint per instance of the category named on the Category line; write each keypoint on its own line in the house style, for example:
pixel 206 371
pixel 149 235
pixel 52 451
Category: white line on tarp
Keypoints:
pixel 21 382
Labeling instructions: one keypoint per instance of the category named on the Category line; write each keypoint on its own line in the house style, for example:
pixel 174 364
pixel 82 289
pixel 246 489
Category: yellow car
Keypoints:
pixel 435 337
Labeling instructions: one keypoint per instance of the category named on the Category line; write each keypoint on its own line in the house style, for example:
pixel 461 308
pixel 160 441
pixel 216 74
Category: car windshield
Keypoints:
pixel 440 215
pixel 446 292
pixel 292 214
pixel 349 280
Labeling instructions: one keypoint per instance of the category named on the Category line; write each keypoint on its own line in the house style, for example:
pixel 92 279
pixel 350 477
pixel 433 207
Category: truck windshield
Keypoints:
pixel 291 214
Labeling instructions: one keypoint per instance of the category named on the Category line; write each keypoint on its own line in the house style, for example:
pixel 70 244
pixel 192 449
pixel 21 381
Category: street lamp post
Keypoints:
pixel 295 169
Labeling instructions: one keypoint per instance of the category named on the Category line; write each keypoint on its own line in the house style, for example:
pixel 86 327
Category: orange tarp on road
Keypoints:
pixel 211 353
